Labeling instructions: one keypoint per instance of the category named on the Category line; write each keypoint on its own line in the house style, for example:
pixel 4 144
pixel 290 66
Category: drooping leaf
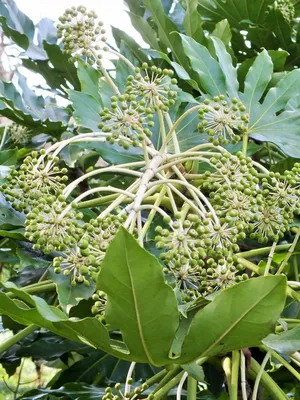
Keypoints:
pixel 234 325
pixel 167 31
pixel 35 310
pixel 138 300
pixel 210 75
pixel 15 24
pixel 145 29
pixel 257 79
pixel 86 110
pixel 69 295
pixel 287 342
pixel 89 80
pixel 225 62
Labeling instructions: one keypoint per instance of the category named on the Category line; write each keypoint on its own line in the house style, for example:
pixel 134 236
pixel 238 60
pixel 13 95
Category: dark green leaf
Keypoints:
pixel 16 24
pixel 211 77
pixel 286 342
pixel 257 80
pixel 139 300
pixel 86 110
pixel 69 295
pixel 89 80
pixel 145 29
pixel 225 62
pixel 235 325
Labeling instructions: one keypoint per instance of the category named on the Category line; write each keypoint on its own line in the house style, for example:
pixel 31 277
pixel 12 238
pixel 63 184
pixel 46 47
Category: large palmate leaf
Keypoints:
pixel 227 324
pixel 210 76
pixel 139 302
pixel 234 11
pixel 26 108
pixel 16 24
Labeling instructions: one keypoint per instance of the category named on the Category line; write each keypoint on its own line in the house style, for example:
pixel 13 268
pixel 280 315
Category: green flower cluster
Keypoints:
pixel 197 253
pixel 222 120
pixel 38 177
pixel 117 392
pixel 19 134
pixel 264 207
pixel 83 246
pixel 81 34
pixel 154 86
pixel 287 9
pixel 128 120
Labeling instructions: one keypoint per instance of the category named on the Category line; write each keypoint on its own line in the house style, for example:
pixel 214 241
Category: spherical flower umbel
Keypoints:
pixel 153 85
pixel 287 9
pixel 81 34
pixel 99 233
pixel 37 176
pixel 128 120
pixel 50 227
pixel 222 120
pixel 19 134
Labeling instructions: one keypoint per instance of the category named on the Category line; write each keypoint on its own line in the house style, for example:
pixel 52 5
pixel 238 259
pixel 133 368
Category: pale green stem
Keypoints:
pixel 146 157
pixel 290 252
pixel 128 377
pixel 262 251
pixel 174 135
pixel 267 381
pixel 286 364
pixel 153 211
pixel 162 125
pixel 176 124
pixel 17 337
pixel 270 258
pixel 180 161
pixel 153 207
pixel 245 143
pixel 121 57
pixel 121 169
pixel 262 168
pixel 259 375
pixel 243 376
pixel 119 200
pixel 191 388
pixel 3 136
pixel 295 265
pixel 235 374
pixel 92 191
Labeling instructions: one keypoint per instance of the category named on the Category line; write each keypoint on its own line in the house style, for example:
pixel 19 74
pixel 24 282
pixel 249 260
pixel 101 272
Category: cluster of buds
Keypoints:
pixel 82 35
pixel 19 134
pixel 287 9
pixel 50 227
pixel 223 121
pixel 154 86
pixel 37 177
pixel 128 120
pixel 196 253
pixel 98 308
pixel 82 257
pixel 118 391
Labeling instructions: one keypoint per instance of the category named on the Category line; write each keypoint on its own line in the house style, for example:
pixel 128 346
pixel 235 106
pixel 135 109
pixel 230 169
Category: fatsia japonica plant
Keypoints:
pixel 175 250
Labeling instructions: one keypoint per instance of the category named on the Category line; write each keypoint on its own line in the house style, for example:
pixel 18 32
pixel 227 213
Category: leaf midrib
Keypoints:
pixel 136 309
pixel 237 321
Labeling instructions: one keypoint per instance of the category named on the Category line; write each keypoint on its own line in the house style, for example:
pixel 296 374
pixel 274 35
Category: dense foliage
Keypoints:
pixel 149 228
